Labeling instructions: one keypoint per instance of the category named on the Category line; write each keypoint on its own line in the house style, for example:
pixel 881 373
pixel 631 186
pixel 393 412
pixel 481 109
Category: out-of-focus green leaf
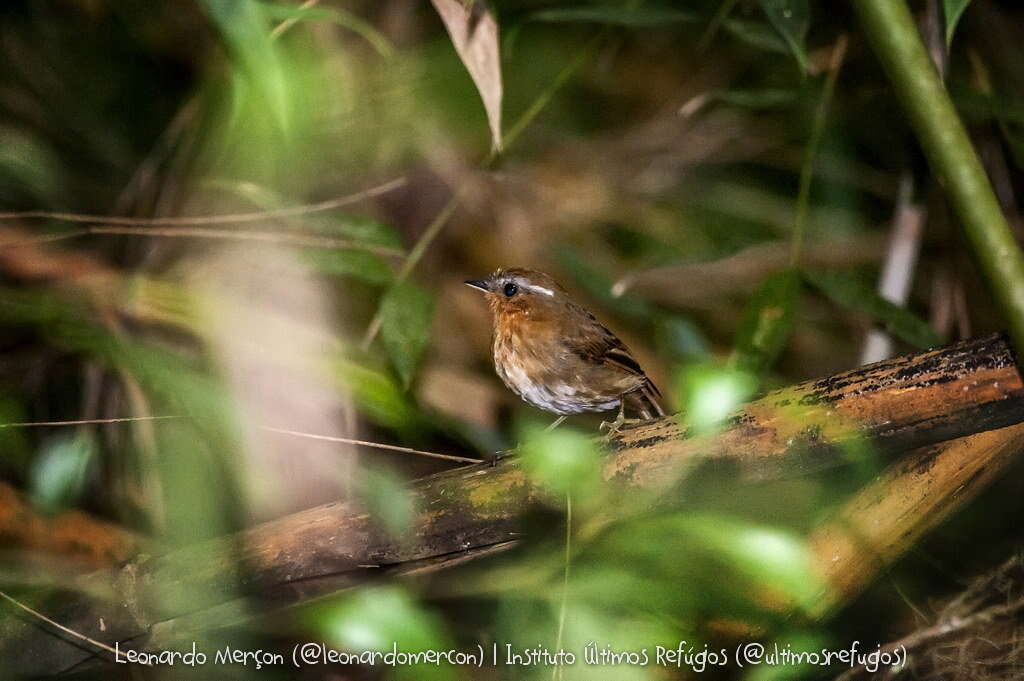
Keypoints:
pixel 377 618
pixel 28 167
pixel 358 228
pixel 951 12
pixel 767 322
pixel 756 34
pixel 639 17
pixel 791 18
pixel 334 15
pixel 350 262
pixel 407 312
pixel 378 396
pixel 564 460
pixel 386 499
pixel 765 555
pixel 852 293
pixel 709 393
pixel 246 31
pixel 58 474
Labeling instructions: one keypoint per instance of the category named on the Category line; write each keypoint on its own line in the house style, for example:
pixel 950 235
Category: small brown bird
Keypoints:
pixel 557 356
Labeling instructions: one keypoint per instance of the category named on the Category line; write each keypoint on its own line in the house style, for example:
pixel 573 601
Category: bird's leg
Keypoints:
pixel 615 426
pixel 554 425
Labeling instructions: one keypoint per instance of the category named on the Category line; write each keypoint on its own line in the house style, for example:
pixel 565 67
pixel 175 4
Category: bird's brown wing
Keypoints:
pixel 595 343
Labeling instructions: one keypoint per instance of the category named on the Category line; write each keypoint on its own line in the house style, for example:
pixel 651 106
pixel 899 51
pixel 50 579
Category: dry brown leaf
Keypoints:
pixel 474 32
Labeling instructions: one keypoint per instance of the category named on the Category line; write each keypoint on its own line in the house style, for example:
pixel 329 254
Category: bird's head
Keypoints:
pixel 522 292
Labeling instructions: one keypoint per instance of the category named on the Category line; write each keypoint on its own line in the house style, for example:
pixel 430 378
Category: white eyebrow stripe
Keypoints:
pixel 540 289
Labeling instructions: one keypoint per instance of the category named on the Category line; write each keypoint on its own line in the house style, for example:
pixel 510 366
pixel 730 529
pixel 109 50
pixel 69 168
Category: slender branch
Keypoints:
pixel 282 431
pixel 374 445
pixel 58 625
pixel 87 422
pixel 198 220
pixel 890 27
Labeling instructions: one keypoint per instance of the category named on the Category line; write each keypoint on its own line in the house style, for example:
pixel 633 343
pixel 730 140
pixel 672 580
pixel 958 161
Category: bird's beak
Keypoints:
pixel 479 283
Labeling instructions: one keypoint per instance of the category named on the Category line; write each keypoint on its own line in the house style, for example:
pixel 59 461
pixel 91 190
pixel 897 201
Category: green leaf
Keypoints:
pixel 709 394
pixel 767 322
pixel 770 556
pixel 378 396
pixel 359 228
pixel 852 293
pixel 386 499
pixel 377 618
pixel 563 460
pixel 641 17
pixel 245 29
pixel 58 475
pixel 350 262
pixel 756 34
pixel 952 11
pixel 334 15
pixel 791 18
pixel 407 312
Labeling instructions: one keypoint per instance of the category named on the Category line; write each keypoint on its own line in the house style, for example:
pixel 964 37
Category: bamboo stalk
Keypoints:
pixel 891 29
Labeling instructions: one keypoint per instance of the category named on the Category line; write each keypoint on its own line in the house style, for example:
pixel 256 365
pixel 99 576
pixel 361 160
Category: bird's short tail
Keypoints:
pixel 645 401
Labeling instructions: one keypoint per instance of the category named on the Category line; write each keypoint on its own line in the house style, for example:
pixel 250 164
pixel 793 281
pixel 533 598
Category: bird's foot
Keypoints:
pixel 613 427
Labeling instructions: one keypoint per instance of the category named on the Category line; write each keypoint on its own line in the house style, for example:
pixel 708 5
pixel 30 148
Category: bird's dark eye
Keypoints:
pixel 511 289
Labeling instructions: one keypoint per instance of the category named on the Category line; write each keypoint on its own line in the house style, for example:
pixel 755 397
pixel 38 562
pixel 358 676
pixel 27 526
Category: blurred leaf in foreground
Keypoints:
pixel 709 393
pixel 563 460
pixel 407 312
pixel 770 557
pixel 386 499
pixel 854 294
pixel 377 618
pixel 791 18
pixel 951 12
pixel 767 322
pixel 350 262
pixel 58 474
pixel 246 32
pixel 379 398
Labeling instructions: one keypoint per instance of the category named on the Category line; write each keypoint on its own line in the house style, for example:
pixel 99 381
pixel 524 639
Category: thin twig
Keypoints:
pixel 86 422
pixel 284 238
pixel 557 671
pixel 283 431
pixel 374 445
pixel 232 218
pixel 58 625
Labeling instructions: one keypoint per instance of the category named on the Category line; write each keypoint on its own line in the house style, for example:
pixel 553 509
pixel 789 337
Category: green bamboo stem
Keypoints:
pixel 893 34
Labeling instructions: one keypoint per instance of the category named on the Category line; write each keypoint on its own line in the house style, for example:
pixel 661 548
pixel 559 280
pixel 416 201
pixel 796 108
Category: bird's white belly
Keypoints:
pixel 558 397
